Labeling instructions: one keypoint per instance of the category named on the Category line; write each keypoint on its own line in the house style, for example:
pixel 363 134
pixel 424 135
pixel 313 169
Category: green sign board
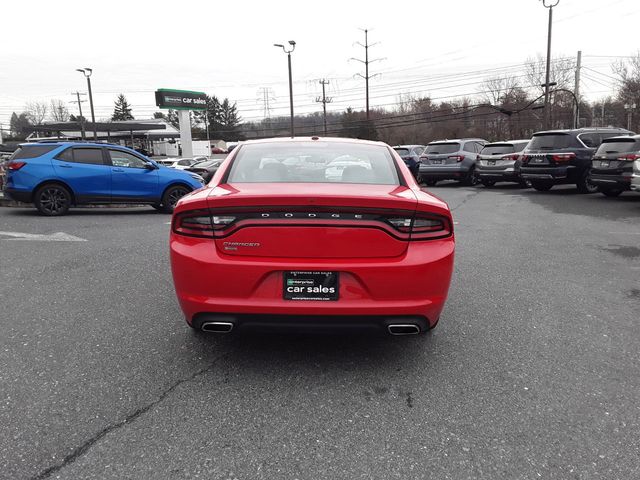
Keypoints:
pixel 181 99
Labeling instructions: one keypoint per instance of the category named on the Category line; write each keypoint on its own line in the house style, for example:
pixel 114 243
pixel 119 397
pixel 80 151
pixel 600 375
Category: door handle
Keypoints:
pixel 66 165
pixel 117 170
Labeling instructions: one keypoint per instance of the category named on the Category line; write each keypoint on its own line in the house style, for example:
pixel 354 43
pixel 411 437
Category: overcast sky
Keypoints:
pixel 226 49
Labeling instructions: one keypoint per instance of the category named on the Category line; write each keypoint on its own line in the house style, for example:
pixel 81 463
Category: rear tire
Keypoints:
pixel 470 179
pixel 52 200
pixel 542 186
pixel 488 183
pixel 171 197
pixel 431 183
pixel 584 185
pixel 609 192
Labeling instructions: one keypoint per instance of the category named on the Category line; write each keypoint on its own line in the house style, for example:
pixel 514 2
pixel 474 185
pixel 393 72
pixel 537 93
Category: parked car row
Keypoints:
pixel 594 159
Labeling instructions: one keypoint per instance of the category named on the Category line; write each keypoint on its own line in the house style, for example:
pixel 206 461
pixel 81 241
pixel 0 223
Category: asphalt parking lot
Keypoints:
pixel 533 371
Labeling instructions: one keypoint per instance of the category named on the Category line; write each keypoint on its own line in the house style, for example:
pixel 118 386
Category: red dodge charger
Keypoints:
pixel 312 233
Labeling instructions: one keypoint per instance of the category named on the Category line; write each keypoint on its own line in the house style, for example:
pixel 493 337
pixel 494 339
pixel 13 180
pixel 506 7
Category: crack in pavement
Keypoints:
pixel 473 194
pixel 86 446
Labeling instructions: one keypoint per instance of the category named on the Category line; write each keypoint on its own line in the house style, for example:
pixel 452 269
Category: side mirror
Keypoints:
pixel 150 166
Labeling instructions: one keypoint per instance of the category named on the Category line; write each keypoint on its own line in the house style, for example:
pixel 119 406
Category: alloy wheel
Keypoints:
pixel 54 201
pixel 176 194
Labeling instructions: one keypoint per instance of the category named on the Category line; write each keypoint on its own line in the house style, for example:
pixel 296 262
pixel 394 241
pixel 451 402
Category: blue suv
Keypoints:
pixel 54 176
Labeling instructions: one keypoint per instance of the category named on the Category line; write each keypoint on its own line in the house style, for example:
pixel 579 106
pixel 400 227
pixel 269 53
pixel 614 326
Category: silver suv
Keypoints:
pixel 450 160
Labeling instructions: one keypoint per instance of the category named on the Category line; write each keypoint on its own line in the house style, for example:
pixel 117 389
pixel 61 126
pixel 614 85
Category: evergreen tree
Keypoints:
pixel 19 124
pixel 122 110
pixel 230 120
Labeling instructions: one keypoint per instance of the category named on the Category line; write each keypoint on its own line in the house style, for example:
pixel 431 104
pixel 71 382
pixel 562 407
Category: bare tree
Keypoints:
pixel 498 90
pixel 59 111
pixel 36 112
pixel 629 92
pixel 562 72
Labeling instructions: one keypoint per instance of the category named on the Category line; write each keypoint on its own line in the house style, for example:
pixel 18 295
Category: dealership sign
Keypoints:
pixel 181 99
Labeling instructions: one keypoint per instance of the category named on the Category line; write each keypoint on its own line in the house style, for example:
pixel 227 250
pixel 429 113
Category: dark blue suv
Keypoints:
pixel 54 176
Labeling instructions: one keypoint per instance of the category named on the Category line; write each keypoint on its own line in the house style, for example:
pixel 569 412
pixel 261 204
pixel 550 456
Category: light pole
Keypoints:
pixel 288 52
pixel 549 4
pixel 87 73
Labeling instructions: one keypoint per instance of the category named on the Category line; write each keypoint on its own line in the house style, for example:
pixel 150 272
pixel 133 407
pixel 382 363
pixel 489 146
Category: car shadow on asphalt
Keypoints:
pixel 566 199
pixel 88 211
pixel 296 347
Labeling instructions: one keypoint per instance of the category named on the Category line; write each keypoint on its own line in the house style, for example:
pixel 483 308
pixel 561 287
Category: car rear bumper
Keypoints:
pixel 613 182
pixel 18 195
pixel 444 172
pixel 546 173
pixel 635 183
pixel 498 173
pixel 259 323
pixel 250 289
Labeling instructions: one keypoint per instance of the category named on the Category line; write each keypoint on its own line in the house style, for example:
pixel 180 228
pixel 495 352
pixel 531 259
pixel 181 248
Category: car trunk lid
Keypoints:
pixel 311 220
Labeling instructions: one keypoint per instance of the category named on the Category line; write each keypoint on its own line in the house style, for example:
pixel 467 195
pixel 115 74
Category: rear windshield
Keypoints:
pixel 32 151
pixel 618 145
pixel 498 149
pixel 402 151
pixel 436 148
pixel 550 141
pixel 314 162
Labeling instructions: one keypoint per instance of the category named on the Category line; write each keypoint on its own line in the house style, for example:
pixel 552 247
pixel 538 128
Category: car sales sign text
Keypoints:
pixel 181 99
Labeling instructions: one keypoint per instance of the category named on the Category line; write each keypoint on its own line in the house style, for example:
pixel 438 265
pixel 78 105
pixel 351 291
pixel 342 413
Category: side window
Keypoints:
pixel 65 155
pixel 591 140
pixel 92 156
pixel 469 147
pixel 125 159
pixel 184 163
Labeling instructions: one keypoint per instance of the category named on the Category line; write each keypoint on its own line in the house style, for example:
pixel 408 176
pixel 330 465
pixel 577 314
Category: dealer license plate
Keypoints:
pixel 310 285
pixel 436 162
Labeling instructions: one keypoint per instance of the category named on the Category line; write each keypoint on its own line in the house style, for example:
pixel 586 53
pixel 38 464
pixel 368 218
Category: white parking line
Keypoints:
pixel 53 237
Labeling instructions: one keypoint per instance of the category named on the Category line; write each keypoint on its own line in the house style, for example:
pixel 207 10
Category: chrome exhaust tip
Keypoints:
pixel 217 327
pixel 403 329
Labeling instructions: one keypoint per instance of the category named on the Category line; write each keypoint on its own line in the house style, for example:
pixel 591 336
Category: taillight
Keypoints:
pixel 511 156
pixel 200 223
pixel 630 157
pixel 457 158
pixel 563 157
pixel 422 226
pixel 13 165
pixel 524 158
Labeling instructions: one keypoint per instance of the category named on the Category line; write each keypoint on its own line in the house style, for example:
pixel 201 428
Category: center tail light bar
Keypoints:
pixel 404 225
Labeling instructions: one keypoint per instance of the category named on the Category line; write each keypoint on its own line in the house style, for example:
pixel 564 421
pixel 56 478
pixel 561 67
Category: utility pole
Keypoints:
pixel 549 4
pixel 324 100
pixel 81 120
pixel 366 63
pixel 576 90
